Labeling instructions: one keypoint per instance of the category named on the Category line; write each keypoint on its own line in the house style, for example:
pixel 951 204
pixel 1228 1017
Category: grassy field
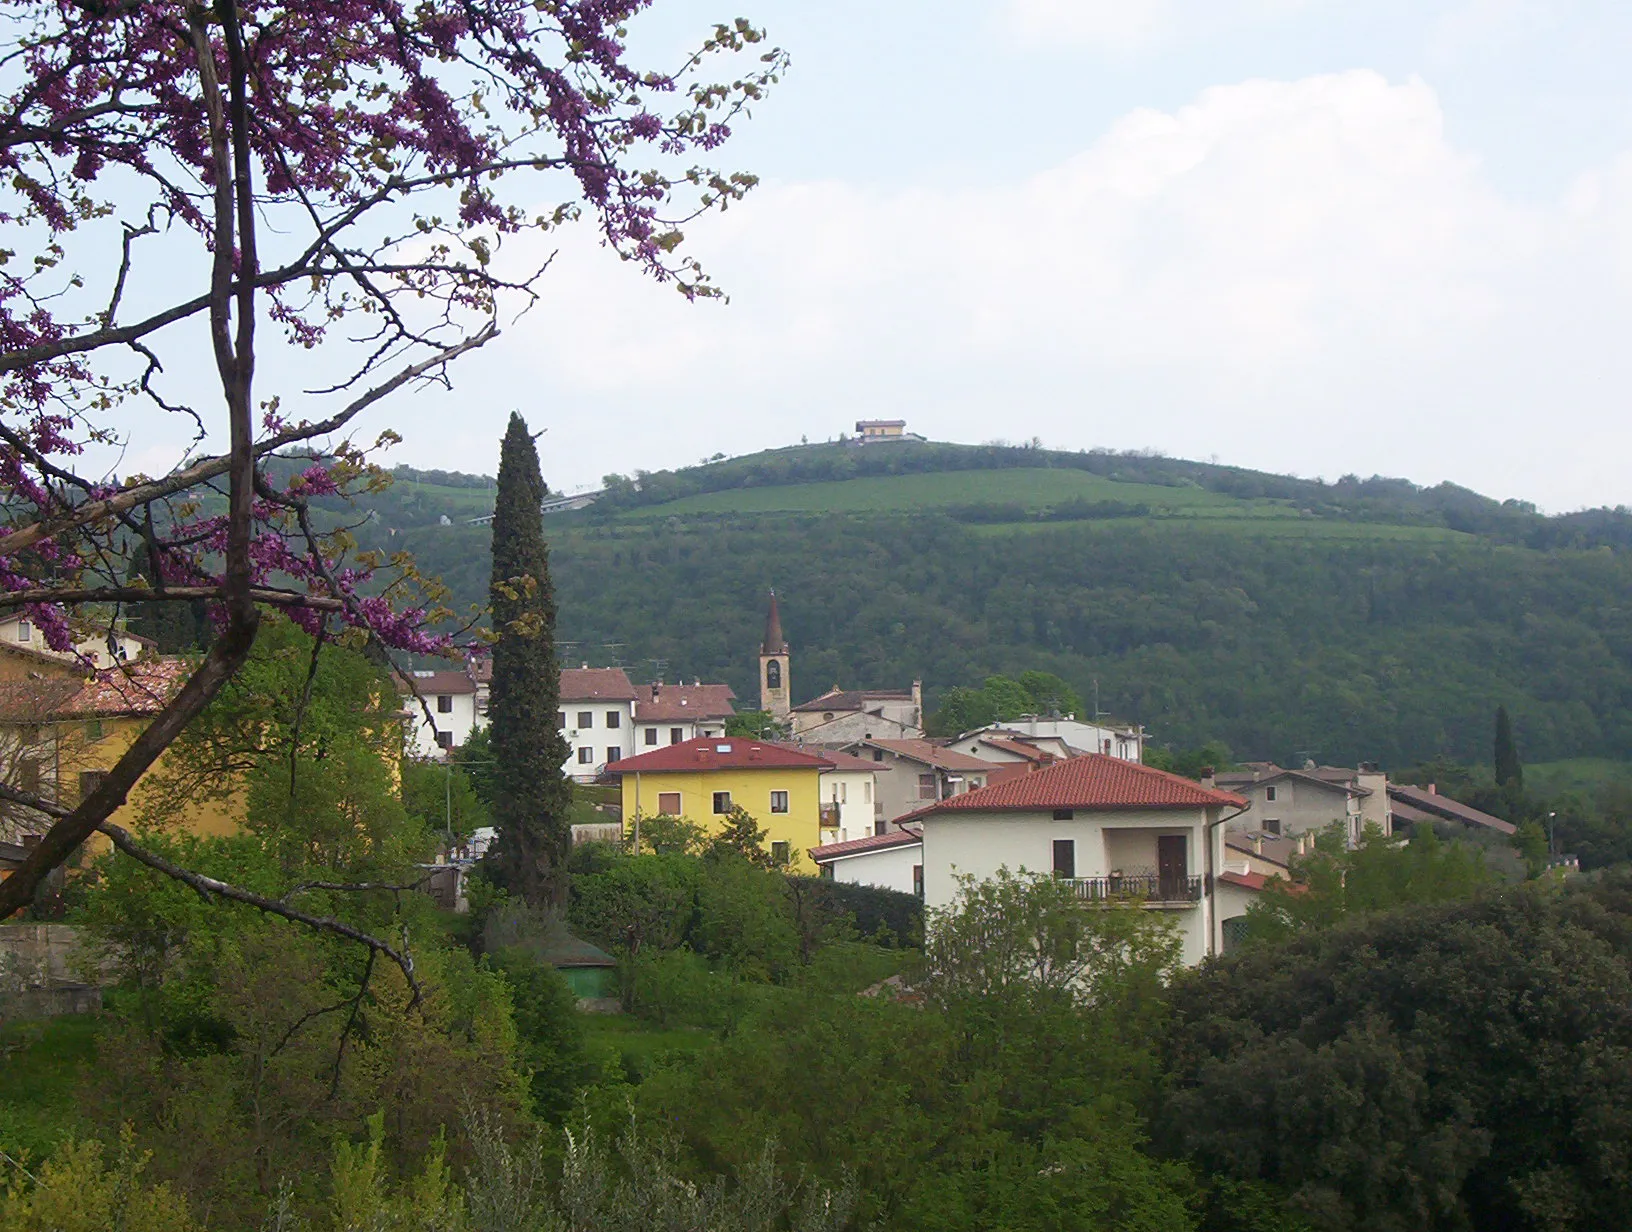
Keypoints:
pixel 40 1064
pixel 1034 489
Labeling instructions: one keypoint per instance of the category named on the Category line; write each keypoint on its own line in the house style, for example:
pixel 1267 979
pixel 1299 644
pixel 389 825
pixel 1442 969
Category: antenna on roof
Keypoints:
pixel 660 668
pixel 614 653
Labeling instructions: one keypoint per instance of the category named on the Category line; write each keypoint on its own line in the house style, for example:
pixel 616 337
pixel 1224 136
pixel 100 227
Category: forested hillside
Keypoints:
pixel 1366 619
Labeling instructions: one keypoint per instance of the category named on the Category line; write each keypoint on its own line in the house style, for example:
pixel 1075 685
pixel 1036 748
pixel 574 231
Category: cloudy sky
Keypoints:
pixel 1310 236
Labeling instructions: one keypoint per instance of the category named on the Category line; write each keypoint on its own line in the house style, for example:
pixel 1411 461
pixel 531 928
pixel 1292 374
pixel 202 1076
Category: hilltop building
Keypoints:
pixel 881 431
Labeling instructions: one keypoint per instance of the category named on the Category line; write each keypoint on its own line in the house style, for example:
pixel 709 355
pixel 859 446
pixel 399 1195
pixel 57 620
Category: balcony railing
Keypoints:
pixel 829 818
pixel 1153 888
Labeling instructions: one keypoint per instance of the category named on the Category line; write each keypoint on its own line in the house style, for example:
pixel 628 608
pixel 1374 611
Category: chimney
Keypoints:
pixel 1207 779
pixel 1433 789
pixel 657 688
pixel 586 665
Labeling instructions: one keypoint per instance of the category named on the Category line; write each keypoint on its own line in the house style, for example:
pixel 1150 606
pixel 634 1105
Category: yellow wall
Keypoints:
pixel 799 827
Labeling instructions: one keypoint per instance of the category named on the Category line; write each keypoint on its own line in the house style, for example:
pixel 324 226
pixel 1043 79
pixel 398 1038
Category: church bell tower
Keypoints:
pixel 774 684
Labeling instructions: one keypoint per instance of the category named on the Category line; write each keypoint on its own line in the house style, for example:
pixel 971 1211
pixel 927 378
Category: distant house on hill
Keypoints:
pixel 882 431
pixel 1417 804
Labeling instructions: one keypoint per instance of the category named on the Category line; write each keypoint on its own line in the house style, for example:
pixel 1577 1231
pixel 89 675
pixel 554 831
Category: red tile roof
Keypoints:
pixel 1247 881
pixel 1092 781
pixel 872 842
pixel 667 702
pixel 431 683
pixel 844 761
pixel 595 684
pixel 141 688
pixel 708 753
pixel 1411 802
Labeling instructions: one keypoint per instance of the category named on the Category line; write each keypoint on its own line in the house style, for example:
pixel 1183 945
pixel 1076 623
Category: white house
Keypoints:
pixel 1006 747
pixel 893 861
pixel 1126 743
pixel 451 698
pixel 1113 828
pixel 675 713
pixel 597 719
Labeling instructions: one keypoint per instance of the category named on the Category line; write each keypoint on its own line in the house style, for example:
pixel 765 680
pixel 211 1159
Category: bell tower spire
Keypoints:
pixel 773 667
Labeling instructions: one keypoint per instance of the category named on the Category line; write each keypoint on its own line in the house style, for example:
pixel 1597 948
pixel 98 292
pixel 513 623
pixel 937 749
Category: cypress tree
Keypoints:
pixel 1509 770
pixel 531 795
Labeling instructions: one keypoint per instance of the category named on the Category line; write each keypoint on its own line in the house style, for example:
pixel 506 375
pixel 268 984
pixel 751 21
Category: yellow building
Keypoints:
pixel 62 729
pixel 703 779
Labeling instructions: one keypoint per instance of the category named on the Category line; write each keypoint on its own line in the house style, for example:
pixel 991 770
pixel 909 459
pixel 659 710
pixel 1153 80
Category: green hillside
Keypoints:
pixel 1362 619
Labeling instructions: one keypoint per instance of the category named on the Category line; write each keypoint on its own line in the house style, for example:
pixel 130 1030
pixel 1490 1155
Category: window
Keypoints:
pixel 444 704
pixel 722 802
pixel 28 776
pixel 586 720
pixel 614 753
pixel 586 756
pixel 676 735
pixel 841 794
pixel 1065 857
pixel 1272 825
pixel 668 803
pixel 1063 814
pixel 825 872
pixel 880 826
pixel 93 729
pixel 773 675
pixel 651 735
pixel 444 739
pixel 867 792
pixel 561 719
pixel 878 754
pixel 918 880
pixel 779 853
pixel 89 781
pixel 25 631
pixel 926 786
pixel 779 802
pixel 612 720
pixel 1269 793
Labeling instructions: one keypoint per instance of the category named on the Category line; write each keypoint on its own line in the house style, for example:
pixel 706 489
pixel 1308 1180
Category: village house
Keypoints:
pixel 1004 747
pixel 843 715
pixel 597 719
pixel 450 696
pixel 849 787
pixel 702 780
pixel 1294 802
pixel 94 647
pixel 1060 731
pixel 62 730
pixel 1414 805
pixel 1114 829
pixel 674 713
pixel 912 773
pixel 893 861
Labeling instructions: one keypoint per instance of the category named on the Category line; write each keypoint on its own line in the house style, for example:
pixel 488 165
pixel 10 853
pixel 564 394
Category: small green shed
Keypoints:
pixel 590 971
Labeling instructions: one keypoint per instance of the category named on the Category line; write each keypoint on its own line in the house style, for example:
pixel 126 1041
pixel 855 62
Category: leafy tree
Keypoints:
pixel 1334 881
pixel 532 799
pixel 664 835
pixel 548 1031
pixel 753 725
pixel 1191 763
pixel 1437 1067
pixel 743 837
pixel 443 797
pixel 1509 770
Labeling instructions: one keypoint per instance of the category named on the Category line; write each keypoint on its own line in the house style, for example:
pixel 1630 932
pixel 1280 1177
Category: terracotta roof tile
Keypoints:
pixel 1092 781
pixel 660 703
pixel 595 684
pixel 144 687
pixel 930 753
pixel 708 753
pixel 872 842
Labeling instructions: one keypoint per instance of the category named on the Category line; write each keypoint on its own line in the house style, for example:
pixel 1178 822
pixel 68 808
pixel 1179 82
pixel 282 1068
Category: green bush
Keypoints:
pixel 549 1033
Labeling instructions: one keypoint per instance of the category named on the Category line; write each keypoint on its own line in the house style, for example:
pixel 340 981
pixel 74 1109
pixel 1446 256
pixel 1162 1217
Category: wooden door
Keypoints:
pixel 1172 871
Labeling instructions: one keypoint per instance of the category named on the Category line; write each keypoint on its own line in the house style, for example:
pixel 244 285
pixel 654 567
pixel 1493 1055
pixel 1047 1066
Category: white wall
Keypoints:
pixel 978 844
pixel 689 729
pixel 855 791
pixel 461 721
pixel 598 735
pixel 890 869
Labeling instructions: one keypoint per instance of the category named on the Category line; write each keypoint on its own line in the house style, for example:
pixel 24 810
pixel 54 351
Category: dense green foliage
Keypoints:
pixel 964 708
pixel 531 798
pixel 1509 769
pixel 1438 1068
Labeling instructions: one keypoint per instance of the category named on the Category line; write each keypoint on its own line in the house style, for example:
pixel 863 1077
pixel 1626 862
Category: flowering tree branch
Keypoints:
pixel 305 165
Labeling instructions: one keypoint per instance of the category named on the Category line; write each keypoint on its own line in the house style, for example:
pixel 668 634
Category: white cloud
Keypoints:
pixel 1299 275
